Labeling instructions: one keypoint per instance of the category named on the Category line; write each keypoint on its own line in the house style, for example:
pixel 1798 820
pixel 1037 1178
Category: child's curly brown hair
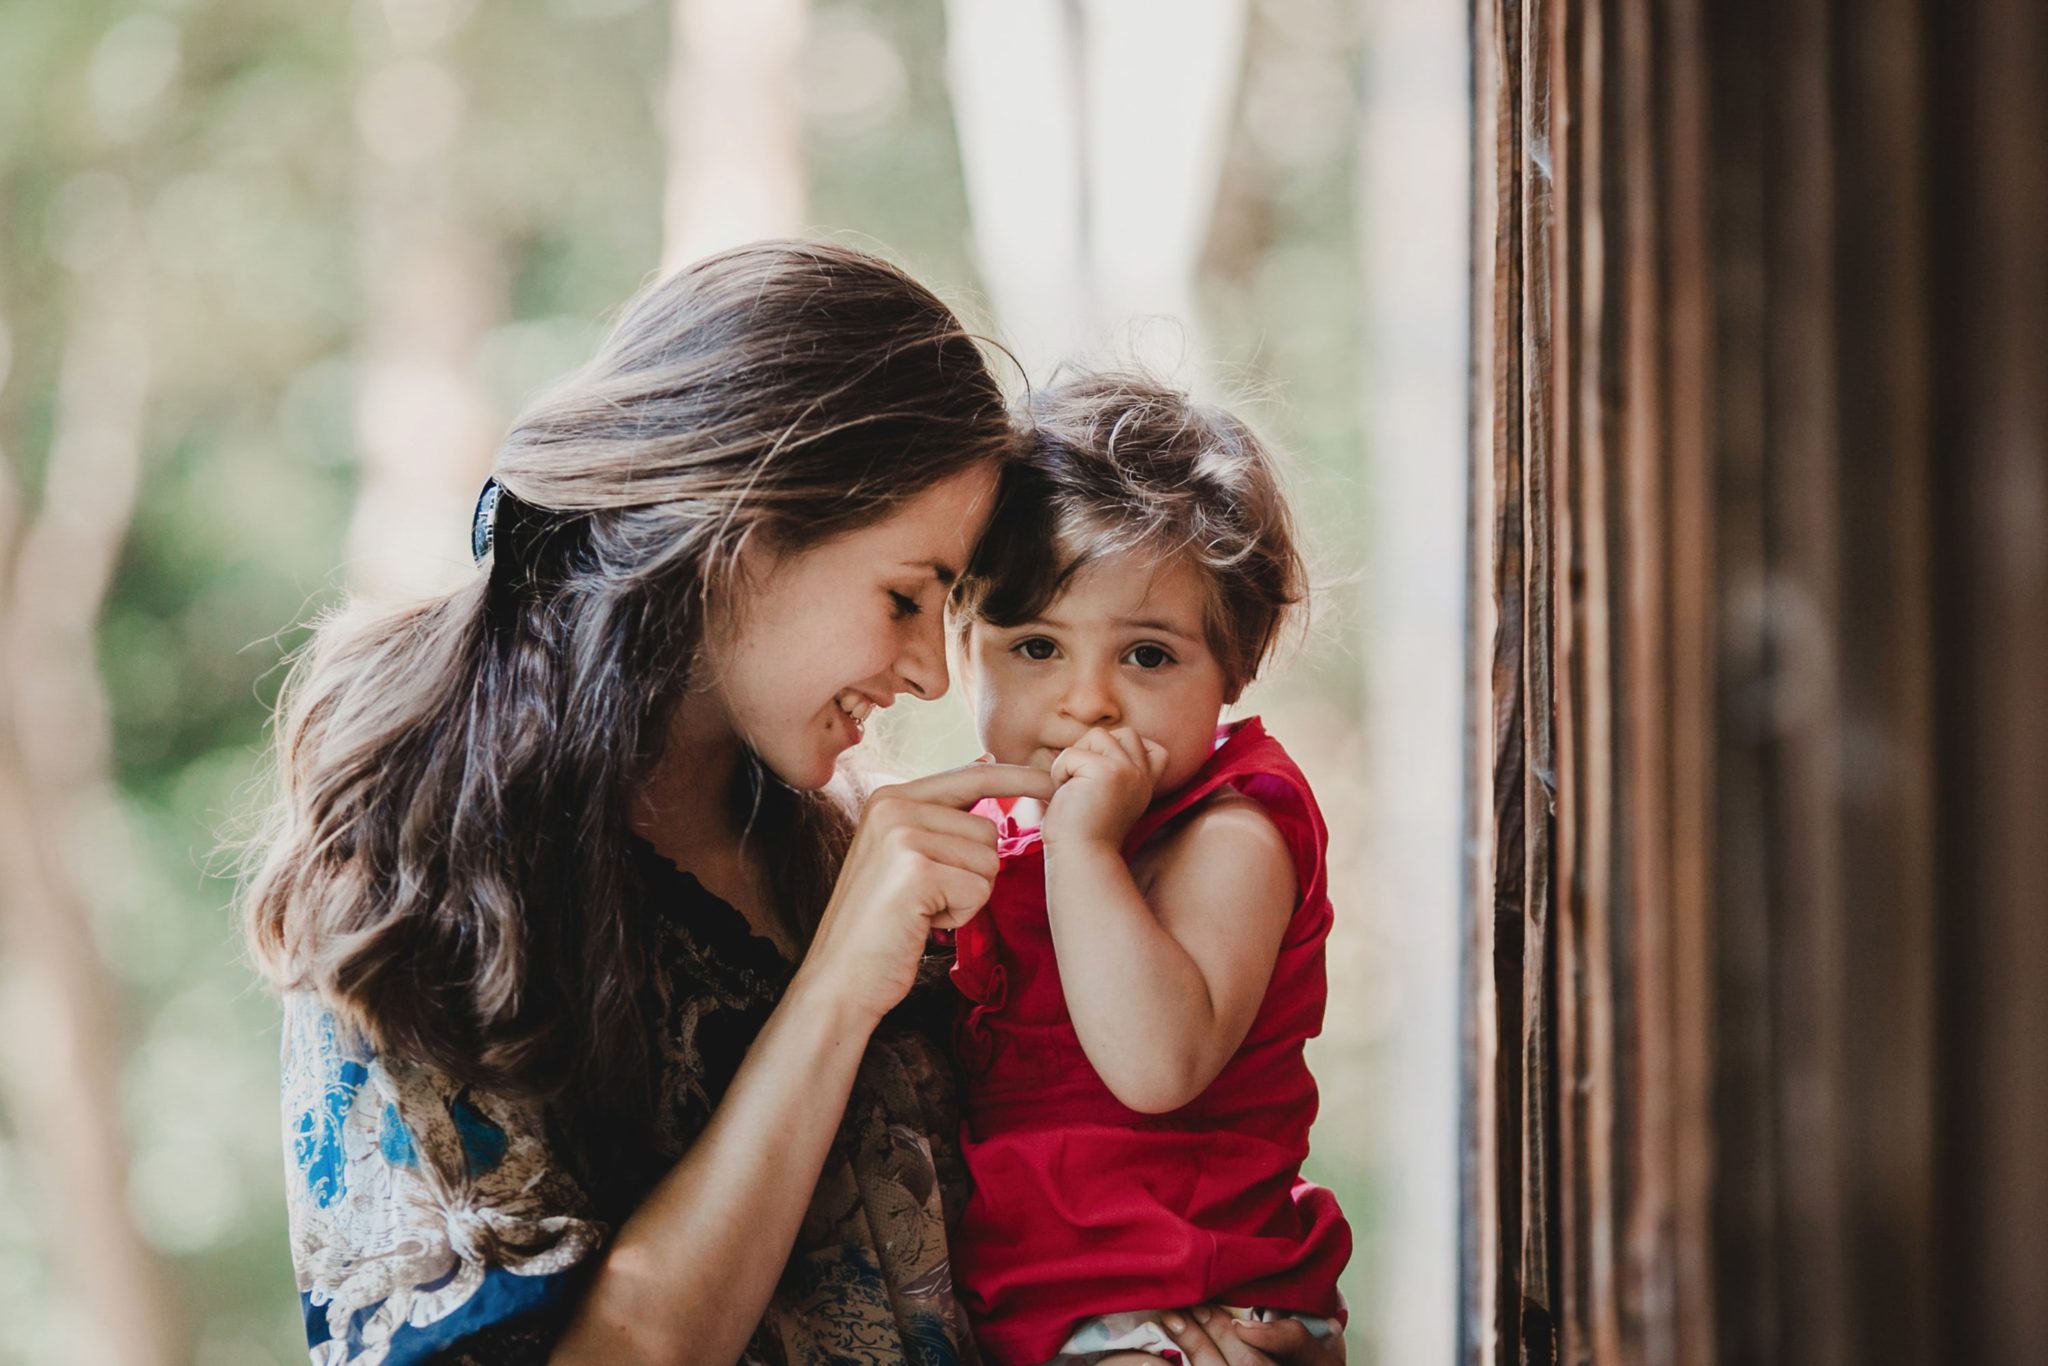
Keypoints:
pixel 1114 462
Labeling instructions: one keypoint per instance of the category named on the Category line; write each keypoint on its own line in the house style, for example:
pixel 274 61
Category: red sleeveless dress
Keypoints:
pixel 1082 1206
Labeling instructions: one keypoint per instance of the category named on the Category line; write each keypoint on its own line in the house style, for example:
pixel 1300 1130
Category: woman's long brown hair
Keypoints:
pixel 446 859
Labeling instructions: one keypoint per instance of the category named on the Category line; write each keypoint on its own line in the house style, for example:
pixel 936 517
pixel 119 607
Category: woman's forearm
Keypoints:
pixel 687 1277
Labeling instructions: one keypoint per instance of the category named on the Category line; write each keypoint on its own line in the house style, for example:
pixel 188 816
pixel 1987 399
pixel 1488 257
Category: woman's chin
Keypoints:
pixel 804 772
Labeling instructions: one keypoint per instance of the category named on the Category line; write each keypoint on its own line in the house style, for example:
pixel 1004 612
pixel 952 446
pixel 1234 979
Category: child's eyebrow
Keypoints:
pixel 1165 628
pixel 1154 624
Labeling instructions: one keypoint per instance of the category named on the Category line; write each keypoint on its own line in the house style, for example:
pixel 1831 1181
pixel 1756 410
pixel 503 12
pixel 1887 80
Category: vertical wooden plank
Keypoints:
pixel 1744 1184
pixel 1645 1150
pixel 1583 684
pixel 1480 1188
pixel 1687 423
pixel 1562 1065
pixel 1795 722
pixel 1990 426
pixel 1538 1059
pixel 1885 766
pixel 1692 423
pixel 1500 1093
pixel 1600 1084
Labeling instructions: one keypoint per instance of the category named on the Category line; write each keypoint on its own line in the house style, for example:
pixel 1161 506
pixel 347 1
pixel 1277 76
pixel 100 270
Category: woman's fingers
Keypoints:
pixel 1289 1340
pixel 976 856
pixel 962 787
pixel 945 820
pixel 962 895
pixel 1211 1337
pixel 1195 1342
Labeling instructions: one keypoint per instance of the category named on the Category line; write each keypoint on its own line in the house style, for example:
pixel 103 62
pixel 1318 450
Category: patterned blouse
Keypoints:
pixel 431 1221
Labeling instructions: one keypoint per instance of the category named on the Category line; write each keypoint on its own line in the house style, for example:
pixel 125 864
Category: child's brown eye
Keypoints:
pixel 1036 647
pixel 1150 657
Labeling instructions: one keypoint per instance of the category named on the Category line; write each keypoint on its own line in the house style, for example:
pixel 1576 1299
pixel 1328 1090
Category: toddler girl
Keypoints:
pixel 1137 990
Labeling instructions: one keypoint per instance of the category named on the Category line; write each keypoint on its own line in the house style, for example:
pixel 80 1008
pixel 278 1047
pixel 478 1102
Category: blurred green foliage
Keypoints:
pixel 231 124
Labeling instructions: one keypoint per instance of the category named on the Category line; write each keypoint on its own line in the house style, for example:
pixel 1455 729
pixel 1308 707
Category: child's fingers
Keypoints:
pixel 1091 749
pixel 1100 741
pixel 1155 758
pixel 1068 762
pixel 1129 746
pixel 1121 744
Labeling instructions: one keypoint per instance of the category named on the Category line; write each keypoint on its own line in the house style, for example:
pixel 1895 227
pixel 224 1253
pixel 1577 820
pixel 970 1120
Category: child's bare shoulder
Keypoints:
pixel 1226 829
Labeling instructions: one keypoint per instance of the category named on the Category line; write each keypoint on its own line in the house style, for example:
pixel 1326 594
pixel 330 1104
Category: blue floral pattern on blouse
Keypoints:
pixel 431 1220
pixel 412 1198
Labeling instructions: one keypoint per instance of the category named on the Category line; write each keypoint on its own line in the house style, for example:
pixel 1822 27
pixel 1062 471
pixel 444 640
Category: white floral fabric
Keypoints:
pixel 420 1209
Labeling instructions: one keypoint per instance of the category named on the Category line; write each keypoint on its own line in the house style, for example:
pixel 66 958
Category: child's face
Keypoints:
pixel 1122 646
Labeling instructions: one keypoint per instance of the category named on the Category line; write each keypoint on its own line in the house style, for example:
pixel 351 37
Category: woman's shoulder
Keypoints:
pixel 422 1210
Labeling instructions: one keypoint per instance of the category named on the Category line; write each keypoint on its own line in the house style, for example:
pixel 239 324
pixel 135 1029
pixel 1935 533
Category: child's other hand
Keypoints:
pixel 1102 784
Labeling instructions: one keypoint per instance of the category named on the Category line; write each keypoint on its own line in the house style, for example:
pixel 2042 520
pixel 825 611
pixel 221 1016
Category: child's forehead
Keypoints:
pixel 1131 585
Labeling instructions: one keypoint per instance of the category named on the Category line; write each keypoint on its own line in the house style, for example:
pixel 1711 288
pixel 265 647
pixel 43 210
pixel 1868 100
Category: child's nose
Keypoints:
pixel 1090 701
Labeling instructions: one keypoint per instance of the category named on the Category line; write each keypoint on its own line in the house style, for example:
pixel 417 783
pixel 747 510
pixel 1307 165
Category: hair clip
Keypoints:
pixel 483 526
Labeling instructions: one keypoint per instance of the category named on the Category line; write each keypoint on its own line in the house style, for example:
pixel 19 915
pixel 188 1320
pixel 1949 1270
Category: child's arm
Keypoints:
pixel 1163 983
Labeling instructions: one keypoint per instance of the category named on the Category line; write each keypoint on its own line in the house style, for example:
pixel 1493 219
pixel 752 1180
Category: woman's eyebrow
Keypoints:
pixel 944 573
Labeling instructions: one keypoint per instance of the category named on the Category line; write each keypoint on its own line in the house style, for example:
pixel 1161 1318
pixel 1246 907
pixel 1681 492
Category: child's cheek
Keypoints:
pixel 988 723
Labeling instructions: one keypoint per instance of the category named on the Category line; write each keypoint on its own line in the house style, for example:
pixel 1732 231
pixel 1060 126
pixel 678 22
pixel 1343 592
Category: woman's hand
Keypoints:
pixel 1210 1337
pixel 1104 783
pixel 919 861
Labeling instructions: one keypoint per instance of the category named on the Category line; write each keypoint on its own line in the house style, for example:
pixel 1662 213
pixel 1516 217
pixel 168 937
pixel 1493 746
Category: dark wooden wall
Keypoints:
pixel 1759 944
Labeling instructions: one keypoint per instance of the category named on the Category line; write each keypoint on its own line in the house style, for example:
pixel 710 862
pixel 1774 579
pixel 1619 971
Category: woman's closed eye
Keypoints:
pixel 903 605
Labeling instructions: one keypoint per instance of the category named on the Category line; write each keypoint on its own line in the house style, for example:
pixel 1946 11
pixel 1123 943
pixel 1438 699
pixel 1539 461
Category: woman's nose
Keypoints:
pixel 922 665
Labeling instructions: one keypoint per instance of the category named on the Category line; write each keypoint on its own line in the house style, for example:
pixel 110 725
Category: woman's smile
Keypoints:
pixel 868 606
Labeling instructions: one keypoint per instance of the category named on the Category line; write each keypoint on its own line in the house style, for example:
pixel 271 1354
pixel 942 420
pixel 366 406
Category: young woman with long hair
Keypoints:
pixel 605 1032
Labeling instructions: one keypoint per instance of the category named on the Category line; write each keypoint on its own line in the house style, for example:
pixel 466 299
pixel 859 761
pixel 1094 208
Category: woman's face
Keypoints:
pixel 821 637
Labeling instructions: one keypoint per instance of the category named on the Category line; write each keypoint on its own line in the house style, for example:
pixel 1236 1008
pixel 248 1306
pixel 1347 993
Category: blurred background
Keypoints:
pixel 273 278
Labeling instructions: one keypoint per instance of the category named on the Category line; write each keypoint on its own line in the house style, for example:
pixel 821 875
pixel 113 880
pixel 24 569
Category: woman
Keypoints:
pixel 597 1040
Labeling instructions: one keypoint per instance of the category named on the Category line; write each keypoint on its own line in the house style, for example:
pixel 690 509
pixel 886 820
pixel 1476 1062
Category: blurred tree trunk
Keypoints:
pixel 735 126
pixel 1092 137
pixel 434 285
pixel 56 794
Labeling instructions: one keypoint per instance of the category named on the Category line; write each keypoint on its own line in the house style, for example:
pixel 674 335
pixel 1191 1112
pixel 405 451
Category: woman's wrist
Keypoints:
pixel 841 1012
